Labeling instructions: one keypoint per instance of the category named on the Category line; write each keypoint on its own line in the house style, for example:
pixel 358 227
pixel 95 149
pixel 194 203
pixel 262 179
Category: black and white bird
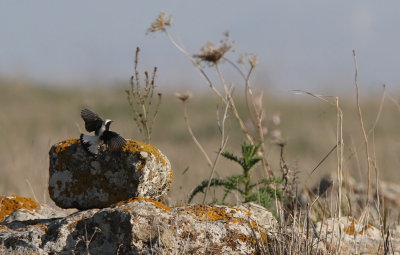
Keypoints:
pixel 102 134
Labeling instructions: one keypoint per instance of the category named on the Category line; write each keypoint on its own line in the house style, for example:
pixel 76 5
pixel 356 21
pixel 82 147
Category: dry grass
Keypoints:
pixel 298 136
pixel 33 118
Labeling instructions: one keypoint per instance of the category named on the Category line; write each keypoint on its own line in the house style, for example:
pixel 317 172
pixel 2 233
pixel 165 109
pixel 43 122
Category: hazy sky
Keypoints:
pixel 300 44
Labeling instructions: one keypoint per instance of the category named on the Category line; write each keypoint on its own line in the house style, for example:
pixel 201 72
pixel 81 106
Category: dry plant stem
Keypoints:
pixel 339 144
pixel 339 153
pixel 255 113
pixel 256 121
pixel 140 99
pixel 362 126
pixel 30 186
pixel 323 160
pixel 181 49
pixel 224 141
pixel 233 106
pixel 247 89
pixel 189 128
pixel 216 91
pixel 372 130
pixel 395 102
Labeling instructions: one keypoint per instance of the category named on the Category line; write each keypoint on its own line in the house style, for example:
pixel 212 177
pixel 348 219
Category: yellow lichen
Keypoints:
pixel 65 144
pixel 351 229
pixel 215 213
pixel 136 199
pixel 171 177
pixel 65 155
pixel 133 146
pixel 10 204
pixel 210 212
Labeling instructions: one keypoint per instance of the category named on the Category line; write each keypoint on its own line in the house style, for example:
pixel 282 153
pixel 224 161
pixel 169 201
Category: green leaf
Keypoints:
pixel 203 185
pixel 230 156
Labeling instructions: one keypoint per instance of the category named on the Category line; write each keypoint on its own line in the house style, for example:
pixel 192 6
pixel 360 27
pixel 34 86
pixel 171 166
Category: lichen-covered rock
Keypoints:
pixel 345 235
pixel 9 204
pixel 81 180
pixel 141 226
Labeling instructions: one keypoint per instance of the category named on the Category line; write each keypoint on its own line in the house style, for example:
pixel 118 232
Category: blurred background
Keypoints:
pixel 57 57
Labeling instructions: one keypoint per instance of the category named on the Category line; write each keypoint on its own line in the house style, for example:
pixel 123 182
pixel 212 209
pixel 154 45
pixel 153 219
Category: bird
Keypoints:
pixel 102 134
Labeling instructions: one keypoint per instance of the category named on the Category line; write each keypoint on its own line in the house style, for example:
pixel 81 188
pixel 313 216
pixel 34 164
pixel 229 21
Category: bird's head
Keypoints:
pixel 107 123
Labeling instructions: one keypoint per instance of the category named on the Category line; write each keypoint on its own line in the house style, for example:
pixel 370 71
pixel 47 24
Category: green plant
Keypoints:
pixel 261 192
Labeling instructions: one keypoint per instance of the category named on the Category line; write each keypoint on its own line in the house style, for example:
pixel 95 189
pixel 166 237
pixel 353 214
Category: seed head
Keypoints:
pixel 253 60
pixel 212 54
pixel 160 23
pixel 183 96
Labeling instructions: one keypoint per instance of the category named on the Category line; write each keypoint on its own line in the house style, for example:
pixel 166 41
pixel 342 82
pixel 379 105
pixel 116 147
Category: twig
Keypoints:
pixel 224 141
pixel 362 126
pixel 322 160
pixel 189 128
pixel 195 64
pixel 339 152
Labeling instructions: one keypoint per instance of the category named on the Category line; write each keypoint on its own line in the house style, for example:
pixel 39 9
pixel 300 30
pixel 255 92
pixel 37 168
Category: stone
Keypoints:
pixel 9 204
pixel 142 226
pixel 345 235
pixel 81 180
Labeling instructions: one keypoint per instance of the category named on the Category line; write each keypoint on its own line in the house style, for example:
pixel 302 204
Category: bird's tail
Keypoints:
pixel 90 143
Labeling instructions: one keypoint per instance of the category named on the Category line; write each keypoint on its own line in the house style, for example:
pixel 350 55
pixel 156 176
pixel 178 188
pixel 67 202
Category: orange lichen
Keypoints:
pixel 171 177
pixel 136 199
pixel 365 229
pixel 133 146
pixel 81 170
pixel 43 227
pixel 61 149
pixel 10 204
pixel 227 214
pixel 210 212
pixel 65 144
pixel 351 229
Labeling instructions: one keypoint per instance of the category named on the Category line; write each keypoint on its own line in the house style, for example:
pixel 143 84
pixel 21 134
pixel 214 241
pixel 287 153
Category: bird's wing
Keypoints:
pixel 92 120
pixel 90 143
pixel 114 141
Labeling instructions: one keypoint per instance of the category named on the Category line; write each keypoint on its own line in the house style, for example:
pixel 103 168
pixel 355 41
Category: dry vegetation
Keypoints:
pixel 33 118
pixel 302 136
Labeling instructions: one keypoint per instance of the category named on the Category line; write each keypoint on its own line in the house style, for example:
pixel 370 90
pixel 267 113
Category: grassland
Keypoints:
pixel 34 117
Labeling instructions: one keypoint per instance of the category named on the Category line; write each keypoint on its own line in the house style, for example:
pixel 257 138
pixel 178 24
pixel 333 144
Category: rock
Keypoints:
pixel 354 193
pixel 9 204
pixel 264 218
pixel 346 235
pixel 142 226
pixel 43 212
pixel 81 180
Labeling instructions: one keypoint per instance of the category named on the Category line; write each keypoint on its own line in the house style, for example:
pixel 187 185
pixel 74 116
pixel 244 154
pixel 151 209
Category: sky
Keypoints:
pixel 304 45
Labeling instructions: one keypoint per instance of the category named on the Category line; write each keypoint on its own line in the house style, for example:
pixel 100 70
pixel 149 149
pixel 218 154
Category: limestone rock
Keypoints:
pixel 81 180
pixel 346 235
pixel 141 226
pixel 9 204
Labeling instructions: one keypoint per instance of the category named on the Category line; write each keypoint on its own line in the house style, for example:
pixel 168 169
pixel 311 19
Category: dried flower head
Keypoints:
pixel 183 96
pixel 160 23
pixel 212 54
pixel 241 60
pixel 276 118
pixel 276 134
pixel 253 60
